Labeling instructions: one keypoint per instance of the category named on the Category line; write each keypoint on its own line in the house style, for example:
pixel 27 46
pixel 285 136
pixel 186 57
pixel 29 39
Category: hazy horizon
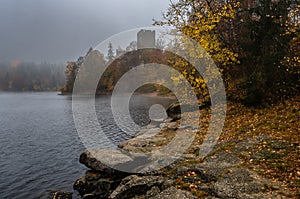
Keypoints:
pixel 59 31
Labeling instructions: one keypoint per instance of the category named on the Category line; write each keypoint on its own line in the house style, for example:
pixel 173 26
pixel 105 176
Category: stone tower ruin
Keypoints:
pixel 146 39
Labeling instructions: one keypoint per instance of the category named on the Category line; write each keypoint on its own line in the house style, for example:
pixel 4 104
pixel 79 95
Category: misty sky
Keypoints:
pixel 61 30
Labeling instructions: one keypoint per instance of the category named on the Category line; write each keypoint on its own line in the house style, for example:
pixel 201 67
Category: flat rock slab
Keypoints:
pixel 142 144
pixel 148 132
pixel 240 183
pixel 221 157
pixel 104 160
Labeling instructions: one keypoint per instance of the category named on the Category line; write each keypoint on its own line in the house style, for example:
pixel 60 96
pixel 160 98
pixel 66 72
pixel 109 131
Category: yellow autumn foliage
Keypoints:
pixel 202 28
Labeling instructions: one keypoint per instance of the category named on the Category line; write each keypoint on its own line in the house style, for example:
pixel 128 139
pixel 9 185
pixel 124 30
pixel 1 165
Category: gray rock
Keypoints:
pixel 133 185
pixel 148 132
pixel 152 192
pixel 157 122
pixel 183 127
pixel 167 120
pixel 176 109
pixel 173 193
pixel 142 144
pixel 84 186
pixel 173 126
pixel 162 125
pixel 104 160
pixel 223 157
pixel 240 183
pixel 246 145
pixel 150 126
pixel 216 165
pixel 91 188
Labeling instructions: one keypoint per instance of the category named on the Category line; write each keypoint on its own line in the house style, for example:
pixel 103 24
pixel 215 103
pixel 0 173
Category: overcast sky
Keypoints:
pixel 61 30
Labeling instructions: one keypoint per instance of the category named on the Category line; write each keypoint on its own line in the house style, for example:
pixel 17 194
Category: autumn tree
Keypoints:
pixel 264 31
pixel 200 20
pixel 71 72
pixel 251 42
pixel 70 76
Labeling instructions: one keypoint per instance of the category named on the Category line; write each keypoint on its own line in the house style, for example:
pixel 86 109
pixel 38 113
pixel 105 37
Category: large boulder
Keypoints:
pixel 175 110
pixel 95 187
pixel 105 160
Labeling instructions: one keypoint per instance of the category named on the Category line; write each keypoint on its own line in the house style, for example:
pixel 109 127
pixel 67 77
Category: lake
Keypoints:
pixel 39 144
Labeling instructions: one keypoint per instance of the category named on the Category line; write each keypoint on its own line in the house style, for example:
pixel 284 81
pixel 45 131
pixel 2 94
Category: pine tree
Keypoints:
pixel 110 53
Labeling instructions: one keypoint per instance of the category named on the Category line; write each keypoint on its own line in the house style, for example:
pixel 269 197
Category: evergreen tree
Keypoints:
pixel 110 53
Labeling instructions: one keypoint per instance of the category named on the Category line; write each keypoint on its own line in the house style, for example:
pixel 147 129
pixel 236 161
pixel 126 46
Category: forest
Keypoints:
pixel 23 76
pixel 256 44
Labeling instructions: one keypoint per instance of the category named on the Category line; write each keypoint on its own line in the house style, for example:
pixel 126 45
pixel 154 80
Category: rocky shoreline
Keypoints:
pixel 221 174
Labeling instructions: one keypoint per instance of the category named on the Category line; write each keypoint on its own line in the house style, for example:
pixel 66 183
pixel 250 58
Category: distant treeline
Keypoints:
pixel 21 76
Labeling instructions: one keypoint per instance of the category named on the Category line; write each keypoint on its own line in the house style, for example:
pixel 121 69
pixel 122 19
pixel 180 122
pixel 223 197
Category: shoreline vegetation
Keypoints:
pixel 257 156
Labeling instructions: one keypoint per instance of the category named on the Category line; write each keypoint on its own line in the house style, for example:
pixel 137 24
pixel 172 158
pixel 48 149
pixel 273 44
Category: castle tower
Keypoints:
pixel 146 39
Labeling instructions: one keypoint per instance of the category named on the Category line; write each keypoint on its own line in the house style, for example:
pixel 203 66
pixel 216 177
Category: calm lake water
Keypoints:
pixel 39 145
